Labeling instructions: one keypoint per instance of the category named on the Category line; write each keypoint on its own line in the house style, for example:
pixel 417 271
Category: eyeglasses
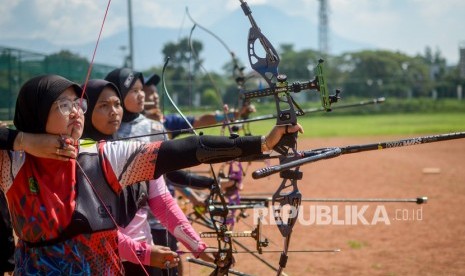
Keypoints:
pixel 66 105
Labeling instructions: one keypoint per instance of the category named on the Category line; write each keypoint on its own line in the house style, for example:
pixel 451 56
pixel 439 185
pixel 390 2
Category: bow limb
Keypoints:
pixel 211 33
pixel 237 70
pixel 196 57
pixel 171 100
pixel 266 66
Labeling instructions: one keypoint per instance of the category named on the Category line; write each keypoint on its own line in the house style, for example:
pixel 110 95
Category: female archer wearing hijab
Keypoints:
pixel 102 121
pixel 139 218
pixel 56 211
pixel 55 233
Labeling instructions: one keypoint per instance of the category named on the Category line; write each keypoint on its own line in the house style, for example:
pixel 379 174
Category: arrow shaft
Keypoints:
pixel 418 200
pixel 207 264
pixel 385 200
pixel 254 253
pixel 336 250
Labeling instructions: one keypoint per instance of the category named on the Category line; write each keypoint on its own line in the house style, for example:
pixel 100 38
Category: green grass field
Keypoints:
pixel 347 125
pixel 369 125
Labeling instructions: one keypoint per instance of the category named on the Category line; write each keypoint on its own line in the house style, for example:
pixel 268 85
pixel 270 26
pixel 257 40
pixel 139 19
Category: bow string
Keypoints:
pixel 89 71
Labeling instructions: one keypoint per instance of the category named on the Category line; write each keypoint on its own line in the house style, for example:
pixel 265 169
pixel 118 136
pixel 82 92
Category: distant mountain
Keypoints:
pixel 233 29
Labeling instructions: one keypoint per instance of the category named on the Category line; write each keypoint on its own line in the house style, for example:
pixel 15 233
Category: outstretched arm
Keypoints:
pixel 189 179
pixel 135 161
pixel 194 150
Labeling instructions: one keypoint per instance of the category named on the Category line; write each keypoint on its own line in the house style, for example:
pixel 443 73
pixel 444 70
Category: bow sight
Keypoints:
pixel 282 86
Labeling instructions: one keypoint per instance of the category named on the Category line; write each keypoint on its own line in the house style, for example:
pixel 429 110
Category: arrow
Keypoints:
pixel 418 200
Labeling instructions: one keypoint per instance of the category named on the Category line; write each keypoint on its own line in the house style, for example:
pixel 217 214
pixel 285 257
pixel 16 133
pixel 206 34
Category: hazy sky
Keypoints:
pixel 405 25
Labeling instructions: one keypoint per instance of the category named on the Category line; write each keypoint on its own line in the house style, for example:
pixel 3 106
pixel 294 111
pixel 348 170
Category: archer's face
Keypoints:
pixel 107 113
pixel 151 95
pixel 134 100
pixel 66 116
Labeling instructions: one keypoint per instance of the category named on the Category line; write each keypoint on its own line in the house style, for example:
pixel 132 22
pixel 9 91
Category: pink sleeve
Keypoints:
pixel 133 251
pixel 166 209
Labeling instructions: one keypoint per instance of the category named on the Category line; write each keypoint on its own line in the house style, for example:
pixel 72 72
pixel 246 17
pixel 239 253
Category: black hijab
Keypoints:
pixel 124 79
pixel 93 90
pixel 35 99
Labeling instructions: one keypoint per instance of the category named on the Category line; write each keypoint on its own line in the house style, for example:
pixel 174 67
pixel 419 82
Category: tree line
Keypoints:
pixel 367 74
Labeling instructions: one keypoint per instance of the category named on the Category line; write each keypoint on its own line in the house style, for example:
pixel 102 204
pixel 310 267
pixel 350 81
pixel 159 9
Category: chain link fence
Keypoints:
pixel 17 66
